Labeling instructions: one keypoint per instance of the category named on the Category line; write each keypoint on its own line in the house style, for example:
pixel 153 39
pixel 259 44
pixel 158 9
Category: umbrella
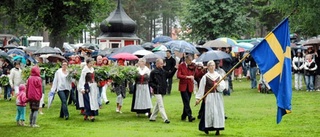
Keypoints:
pixel 161 39
pixel 160 48
pixel 202 49
pixel 20 58
pixel 142 52
pixel 129 49
pixel 212 55
pixel 238 49
pixel 125 56
pixel 47 50
pixel 244 45
pixel 228 40
pixel 147 45
pixel 162 54
pixel 152 57
pixel 314 41
pixel 53 57
pixel 216 43
pixel 11 46
pixel 50 98
pixel 5 56
pixel 104 52
pixel 32 48
pixel 182 46
pixel 90 46
pixel 16 51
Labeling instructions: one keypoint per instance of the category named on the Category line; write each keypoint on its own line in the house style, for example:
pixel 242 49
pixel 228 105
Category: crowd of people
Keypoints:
pixel 89 95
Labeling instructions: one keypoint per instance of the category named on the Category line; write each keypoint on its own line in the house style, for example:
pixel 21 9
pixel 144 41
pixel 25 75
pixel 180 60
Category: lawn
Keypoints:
pixel 249 114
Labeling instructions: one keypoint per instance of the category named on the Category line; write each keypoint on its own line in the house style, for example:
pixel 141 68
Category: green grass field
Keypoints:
pixel 249 114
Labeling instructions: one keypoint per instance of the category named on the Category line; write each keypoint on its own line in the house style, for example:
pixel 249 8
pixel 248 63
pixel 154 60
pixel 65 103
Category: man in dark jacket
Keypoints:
pixel 170 64
pixel 157 81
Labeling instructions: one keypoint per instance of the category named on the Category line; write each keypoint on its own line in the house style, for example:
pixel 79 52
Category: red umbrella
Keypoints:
pixel 125 56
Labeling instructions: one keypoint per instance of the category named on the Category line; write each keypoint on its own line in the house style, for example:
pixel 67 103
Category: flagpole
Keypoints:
pixel 215 86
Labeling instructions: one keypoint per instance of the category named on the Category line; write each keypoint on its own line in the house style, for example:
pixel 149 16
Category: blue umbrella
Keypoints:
pixel 16 51
pixel 20 58
pixel 161 39
pixel 182 46
pixel 213 55
pixel 244 45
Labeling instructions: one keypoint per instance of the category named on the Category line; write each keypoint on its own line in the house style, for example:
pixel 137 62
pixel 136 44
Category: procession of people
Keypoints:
pixel 196 75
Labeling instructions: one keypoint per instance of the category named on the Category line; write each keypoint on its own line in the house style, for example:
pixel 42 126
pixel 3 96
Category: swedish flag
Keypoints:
pixel 273 57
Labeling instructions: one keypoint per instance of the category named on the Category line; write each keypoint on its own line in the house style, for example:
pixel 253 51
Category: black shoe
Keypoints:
pixel 199 117
pixel 191 119
pixel 67 117
pixel 151 120
pixel 149 115
pixel 225 117
pixel 206 131
pixel 107 102
pixel 167 121
pixel 183 118
pixel 9 99
pixel 217 132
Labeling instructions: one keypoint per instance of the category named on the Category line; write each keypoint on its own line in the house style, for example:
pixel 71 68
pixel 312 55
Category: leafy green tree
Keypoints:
pixel 62 18
pixel 210 19
pixel 304 19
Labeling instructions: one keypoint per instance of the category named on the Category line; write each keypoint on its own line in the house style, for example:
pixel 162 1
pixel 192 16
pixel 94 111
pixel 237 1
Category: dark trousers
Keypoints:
pixel 72 98
pixel 63 94
pixel 7 92
pixel 169 85
pixel 186 96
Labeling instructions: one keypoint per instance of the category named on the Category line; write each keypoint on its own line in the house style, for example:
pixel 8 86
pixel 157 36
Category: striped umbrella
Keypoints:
pixel 228 40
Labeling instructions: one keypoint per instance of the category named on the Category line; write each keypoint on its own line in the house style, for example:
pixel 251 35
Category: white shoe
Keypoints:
pixel 147 114
pixel 117 110
pixel 41 113
pixel 35 126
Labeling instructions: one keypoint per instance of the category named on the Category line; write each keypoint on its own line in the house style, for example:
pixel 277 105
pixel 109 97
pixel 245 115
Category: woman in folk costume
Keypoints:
pixel 213 119
pixel 297 64
pixel 141 101
pixel 90 98
pixel 88 68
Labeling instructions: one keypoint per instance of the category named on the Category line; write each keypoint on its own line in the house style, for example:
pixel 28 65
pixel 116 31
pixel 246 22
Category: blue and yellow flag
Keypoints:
pixel 273 56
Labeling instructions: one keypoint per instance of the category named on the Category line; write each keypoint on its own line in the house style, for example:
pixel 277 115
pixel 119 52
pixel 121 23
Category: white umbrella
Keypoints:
pixel 50 98
pixel 142 52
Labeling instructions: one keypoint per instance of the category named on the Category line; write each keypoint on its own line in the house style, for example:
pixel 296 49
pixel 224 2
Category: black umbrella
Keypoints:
pixel 47 50
pixel 5 56
pixel 148 45
pixel 213 55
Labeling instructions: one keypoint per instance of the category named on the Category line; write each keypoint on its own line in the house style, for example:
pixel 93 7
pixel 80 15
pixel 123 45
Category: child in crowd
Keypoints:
pixel 21 102
pixel 34 94
pixel 91 105
pixel 7 88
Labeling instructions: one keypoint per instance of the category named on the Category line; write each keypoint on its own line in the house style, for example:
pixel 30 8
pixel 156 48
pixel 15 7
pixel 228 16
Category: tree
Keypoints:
pixel 210 19
pixel 304 19
pixel 62 18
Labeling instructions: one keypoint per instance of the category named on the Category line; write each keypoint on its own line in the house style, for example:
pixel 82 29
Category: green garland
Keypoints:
pixel 4 81
pixel 118 74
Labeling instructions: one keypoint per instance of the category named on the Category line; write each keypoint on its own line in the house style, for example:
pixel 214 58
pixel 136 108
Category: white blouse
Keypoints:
pixel 60 81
